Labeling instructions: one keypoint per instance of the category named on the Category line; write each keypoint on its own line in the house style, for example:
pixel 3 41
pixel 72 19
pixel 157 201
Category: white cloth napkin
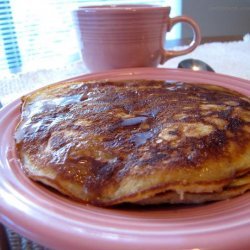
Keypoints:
pixel 230 58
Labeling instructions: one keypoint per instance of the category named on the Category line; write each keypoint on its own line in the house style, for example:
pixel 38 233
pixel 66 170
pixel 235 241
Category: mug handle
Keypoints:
pixel 167 54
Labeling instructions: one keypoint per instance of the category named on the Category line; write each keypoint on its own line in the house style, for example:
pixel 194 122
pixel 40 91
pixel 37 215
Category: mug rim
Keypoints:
pixel 123 7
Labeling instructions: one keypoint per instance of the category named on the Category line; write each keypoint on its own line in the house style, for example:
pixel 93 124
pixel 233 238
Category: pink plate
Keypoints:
pixel 56 222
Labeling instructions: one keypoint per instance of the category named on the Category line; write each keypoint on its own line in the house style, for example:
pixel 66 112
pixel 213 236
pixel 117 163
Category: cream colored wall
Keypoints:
pixel 218 17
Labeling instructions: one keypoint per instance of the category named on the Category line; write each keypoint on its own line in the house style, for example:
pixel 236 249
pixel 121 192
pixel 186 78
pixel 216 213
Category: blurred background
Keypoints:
pixel 38 34
pixel 218 17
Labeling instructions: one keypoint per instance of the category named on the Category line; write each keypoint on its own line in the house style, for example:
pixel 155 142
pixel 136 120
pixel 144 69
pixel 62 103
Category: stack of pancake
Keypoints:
pixel 137 141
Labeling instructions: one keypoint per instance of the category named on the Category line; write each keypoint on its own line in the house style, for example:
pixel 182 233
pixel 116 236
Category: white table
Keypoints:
pixel 230 58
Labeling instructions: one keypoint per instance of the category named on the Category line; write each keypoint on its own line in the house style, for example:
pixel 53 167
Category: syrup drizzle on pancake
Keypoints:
pixel 98 135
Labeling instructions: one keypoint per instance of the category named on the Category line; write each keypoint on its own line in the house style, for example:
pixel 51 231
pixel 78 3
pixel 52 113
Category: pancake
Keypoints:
pixel 141 141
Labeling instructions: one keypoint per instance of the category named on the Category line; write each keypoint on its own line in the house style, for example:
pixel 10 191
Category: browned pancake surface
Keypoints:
pixel 110 142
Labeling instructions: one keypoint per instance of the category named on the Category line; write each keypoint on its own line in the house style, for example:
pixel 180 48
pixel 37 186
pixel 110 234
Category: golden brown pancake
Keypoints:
pixel 141 141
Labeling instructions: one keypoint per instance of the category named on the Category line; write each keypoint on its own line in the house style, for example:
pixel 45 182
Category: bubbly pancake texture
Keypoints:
pixel 141 141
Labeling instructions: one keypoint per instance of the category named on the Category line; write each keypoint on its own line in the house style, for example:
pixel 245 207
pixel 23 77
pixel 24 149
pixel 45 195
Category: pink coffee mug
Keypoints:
pixel 124 36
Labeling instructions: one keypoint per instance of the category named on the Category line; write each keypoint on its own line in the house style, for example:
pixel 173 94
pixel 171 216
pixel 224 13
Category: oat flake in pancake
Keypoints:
pixel 142 141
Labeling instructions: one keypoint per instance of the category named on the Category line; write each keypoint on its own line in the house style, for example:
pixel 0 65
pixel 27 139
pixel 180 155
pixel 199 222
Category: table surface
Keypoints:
pixel 226 55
